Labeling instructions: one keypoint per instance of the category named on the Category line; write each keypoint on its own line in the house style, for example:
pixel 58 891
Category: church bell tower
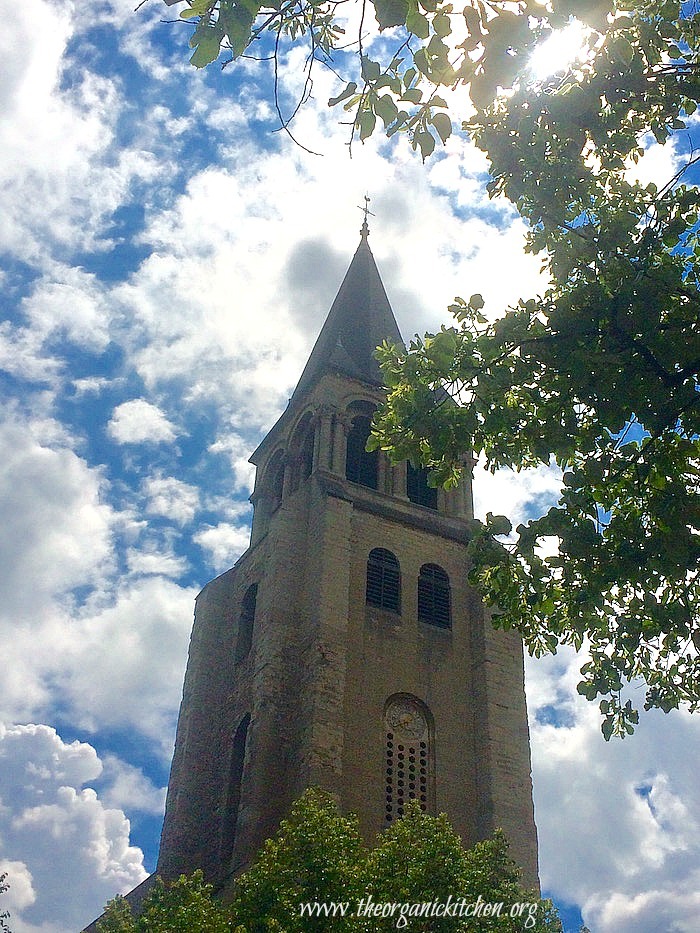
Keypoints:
pixel 345 648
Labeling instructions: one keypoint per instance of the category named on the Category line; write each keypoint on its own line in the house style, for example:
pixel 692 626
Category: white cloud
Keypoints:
pixel 124 665
pixel 155 561
pixel 138 421
pixel 56 526
pixel 116 659
pixel 659 163
pixel 224 543
pixel 127 787
pixel 21 893
pixel 69 303
pixel 520 496
pixel 22 355
pixel 171 498
pixel 617 821
pixel 650 911
pixel 238 451
pixel 61 175
pixel 65 852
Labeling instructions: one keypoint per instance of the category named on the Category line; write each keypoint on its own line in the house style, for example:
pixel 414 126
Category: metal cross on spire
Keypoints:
pixel 364 229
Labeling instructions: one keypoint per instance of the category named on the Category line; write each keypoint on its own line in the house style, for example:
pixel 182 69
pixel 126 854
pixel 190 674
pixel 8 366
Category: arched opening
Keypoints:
pixel 417 488
pixel 361 465
pixel 246 622
pixel 302 451
pixel 272 486
pixel 233 790
pixel 434 596
pixel 306 456
pixel 383 580
pixel 408 755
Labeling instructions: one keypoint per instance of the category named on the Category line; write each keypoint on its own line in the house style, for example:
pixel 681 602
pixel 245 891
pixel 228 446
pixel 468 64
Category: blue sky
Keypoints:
pixel 166 263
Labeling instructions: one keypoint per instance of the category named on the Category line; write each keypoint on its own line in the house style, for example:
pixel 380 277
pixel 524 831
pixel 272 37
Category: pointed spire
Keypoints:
pixel 359 320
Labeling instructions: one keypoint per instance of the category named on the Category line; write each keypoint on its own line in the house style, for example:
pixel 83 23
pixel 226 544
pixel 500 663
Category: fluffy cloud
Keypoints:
pixel 138 421
pixel 520 496
pixel 171 498
pixel 65 852
pixel 60 171
pixel 128 787
pixel 210 332
pixel 124 665
pixel 56 529
pixel 56 535
pixel 224 543
pixel 617 820
pixel 68 303
pixel 120 650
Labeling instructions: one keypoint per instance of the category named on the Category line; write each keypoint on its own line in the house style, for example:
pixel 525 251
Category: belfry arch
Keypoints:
pixel 367 666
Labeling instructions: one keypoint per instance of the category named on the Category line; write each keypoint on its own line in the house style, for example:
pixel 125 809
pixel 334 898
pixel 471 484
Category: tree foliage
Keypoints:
pixel 599 375
pixel 186 905
pixel 318 856
pixel 5 914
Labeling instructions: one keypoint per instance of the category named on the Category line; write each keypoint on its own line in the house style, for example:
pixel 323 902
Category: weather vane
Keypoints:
pixel 364 230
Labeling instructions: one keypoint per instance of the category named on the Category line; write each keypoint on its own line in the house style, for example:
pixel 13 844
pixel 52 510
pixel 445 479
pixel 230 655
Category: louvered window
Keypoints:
pixel 383 580
pixel 434 596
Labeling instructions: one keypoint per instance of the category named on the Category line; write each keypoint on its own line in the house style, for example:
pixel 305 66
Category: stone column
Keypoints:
pixel 398 480
pixel 323 446
pixel 341 426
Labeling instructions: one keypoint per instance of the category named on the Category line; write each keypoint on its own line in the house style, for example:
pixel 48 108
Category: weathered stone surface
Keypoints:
pixel 323 663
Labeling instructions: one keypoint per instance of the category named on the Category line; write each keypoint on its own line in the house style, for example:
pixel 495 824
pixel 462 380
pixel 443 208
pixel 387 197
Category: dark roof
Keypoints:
pixel 359 320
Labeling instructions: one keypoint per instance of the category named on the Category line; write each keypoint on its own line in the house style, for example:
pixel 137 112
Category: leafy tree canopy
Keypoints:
pixel 5 914
pixel 598 375
pixel 318 856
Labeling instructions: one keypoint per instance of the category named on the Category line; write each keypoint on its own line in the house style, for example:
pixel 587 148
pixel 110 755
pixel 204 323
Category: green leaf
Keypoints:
pixel 498 524
pixel 476 302
pixel 390 12
pixel 350 89
pixel 426 142
pixel 412 94
pixel 197 8
pixel 366 121
pixel 442 25
pixel 622 50
pixel 443 125
pixel 417 23
pixel 386 109
pixel 370 69
pixel 206 42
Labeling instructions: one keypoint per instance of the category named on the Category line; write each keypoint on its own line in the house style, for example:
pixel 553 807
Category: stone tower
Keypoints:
pixel 345 649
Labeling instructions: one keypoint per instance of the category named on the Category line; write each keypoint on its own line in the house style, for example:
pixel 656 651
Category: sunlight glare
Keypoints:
pixel 563 48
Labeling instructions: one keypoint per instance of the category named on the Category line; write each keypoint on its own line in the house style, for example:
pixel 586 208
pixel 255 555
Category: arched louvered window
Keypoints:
pixel 245 623
pixel 361 466
pixel 233 790
pixel 408 755
pixel 417 487
pixel 434 596
pixel 383 580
